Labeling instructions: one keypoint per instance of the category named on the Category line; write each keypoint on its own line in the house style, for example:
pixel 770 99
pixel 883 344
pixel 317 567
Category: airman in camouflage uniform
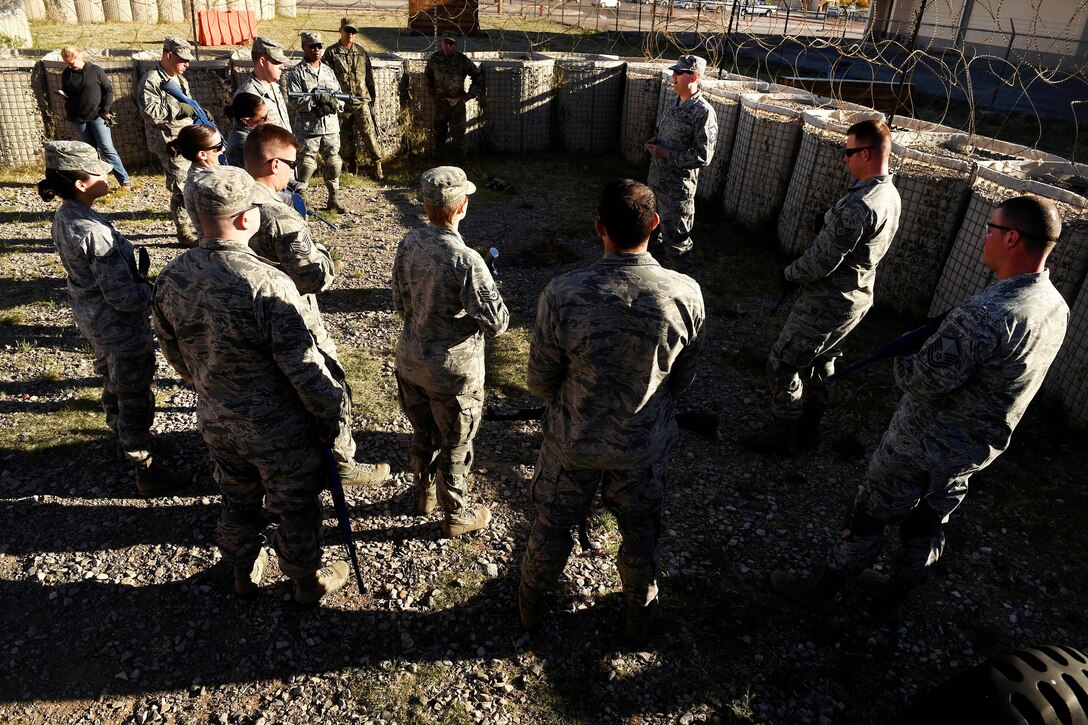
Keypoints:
pixel 268 61
pixel 965 391
pixel 284 239
pixel 316 116
pixel 612 347
pixel 110 300
pixel 836 276
pixel 450 303
pixel 164 117
pixel 236 329
pixel 446 72
pixel 682 144
pixel 351 64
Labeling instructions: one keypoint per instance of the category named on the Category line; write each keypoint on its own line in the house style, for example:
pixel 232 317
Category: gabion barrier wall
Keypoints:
pixel 518 92
pixel 418 127
pixel 965 275
pixel 642 89
pixel 935 191
pixel 117 11
pixel 89 11
pixel 768 135
pixel 128 133
pixel 1068 377
pixel 819 176
pixel 22 130
pixel 589 101
pixel 145 11
pixel 62 11
pixel 388 74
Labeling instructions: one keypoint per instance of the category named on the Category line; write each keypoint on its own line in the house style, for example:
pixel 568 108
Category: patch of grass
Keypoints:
pixel 14 317
pixel 507 358
pixel 740 708
pixel 73 424
pixel 460 580
pixel 374 394
pixel 399 697
pixel 52 373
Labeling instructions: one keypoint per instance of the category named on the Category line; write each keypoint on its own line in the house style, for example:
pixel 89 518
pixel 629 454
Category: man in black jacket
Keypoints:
pixel 88 95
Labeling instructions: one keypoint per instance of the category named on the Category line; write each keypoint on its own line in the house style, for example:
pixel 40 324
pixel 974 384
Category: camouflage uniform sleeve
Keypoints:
pixel 398 301
pixel 547 359
pixel 836 240
pixel 114 274
pixel 279 317
pixel 428 73
pixel 369 77
pixel 683 369
pixel 701 150
pixel 296 83
pixel 155 103
pixel 306 262
pixel 168 341
pixel 482 301
pixel 476 86
pixel 963 342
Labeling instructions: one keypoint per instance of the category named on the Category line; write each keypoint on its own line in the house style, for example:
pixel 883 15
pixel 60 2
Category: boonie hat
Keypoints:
pixel 224 191
pixel 444 185
pixel 74 156
pixel 349 24
pixel 691 63
pixel 269 48
pixel 180 47
pixel 311 37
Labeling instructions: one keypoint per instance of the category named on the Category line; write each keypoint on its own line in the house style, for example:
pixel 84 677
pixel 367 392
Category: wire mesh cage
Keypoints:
pixel 724 98
pixel 519 89
pixel 22 130
pixel 768 137
pixel 589 101
pixel 388 74
pixel 819 176
pixel 641 94
pixel 128 131
pixel 965 275
pixel 1068 377
pixel 117 11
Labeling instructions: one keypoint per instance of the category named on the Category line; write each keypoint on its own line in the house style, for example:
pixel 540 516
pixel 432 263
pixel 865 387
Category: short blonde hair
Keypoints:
pixel 442 216
pixel 70 51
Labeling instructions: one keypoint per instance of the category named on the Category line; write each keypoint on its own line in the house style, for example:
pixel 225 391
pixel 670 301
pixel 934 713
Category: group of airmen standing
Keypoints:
pixel 613 346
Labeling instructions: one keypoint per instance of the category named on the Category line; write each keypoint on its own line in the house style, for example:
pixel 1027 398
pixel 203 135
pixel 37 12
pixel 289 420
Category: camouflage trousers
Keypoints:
pixel 898 490
pixel 564 497
pixel 803 358
pixel 282 478
pixel 126 396
pixel 449 121
pixel 676 206
pixel 177 171
pixel 443 426
pixel 328 145
pixel 343 448
pixel 357 128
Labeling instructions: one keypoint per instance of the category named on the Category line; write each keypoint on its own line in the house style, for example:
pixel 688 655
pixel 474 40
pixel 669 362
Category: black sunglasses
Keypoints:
pixel 218 147
pixel 850 152
pixel 682 73
pixel 319 46
pixel 991 225
pixel 290 164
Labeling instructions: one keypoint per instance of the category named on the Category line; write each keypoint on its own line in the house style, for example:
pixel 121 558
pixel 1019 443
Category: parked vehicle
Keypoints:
pixel 607 3
pixel 758 9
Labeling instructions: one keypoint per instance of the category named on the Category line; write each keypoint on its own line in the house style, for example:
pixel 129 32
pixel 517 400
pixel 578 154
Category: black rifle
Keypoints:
pixel 908 343
pixel 336 488
pixel 705 424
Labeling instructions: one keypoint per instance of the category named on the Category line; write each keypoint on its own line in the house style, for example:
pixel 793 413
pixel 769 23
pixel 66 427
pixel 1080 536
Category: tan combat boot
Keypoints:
pixel 378 173
pixel 248 579
pixel 311 588
pixel 530 607
pixel 334 202
pixel 153 480
pixel 428 492
pixel 469 520
pixel 363 474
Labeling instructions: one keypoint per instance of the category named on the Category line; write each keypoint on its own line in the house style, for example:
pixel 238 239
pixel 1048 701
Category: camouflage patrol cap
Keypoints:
pixel 74 156
pixel 268 48
pixel 449 37
pixel 691 64
pixel 180 47
pixel 349 25
pixel 225 191
pixel 310 37
pixel 444 185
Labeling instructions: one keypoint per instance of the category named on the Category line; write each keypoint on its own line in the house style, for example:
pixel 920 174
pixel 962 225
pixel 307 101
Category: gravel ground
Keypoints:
pixel 119 612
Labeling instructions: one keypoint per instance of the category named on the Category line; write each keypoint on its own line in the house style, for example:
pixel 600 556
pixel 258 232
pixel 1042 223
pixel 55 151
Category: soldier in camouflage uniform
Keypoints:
pixel 164 117
pixel 351 64
pixel 450 303
pixel 965 391
pixel 682 144
pixel 110 298
pixel 836 276
pixel 236 329
pixel 612 347
pixel 284 239
pixel 268 62
pixel 316 116
pixel 446 72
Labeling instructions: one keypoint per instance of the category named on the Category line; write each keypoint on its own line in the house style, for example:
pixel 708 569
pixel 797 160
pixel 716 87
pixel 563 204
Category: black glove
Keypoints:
pixel 143 262
pixel 785 284
pixel 325 99
pixel 186 111
pixel 327 431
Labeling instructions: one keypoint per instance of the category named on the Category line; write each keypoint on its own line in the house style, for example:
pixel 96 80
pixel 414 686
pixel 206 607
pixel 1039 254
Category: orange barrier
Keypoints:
pixel 225 27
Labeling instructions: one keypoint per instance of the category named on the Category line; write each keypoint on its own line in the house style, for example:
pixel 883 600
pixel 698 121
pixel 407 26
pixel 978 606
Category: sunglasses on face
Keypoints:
pixel 319 46
pixel 218 147
pixel 291 163
pixel 850 152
